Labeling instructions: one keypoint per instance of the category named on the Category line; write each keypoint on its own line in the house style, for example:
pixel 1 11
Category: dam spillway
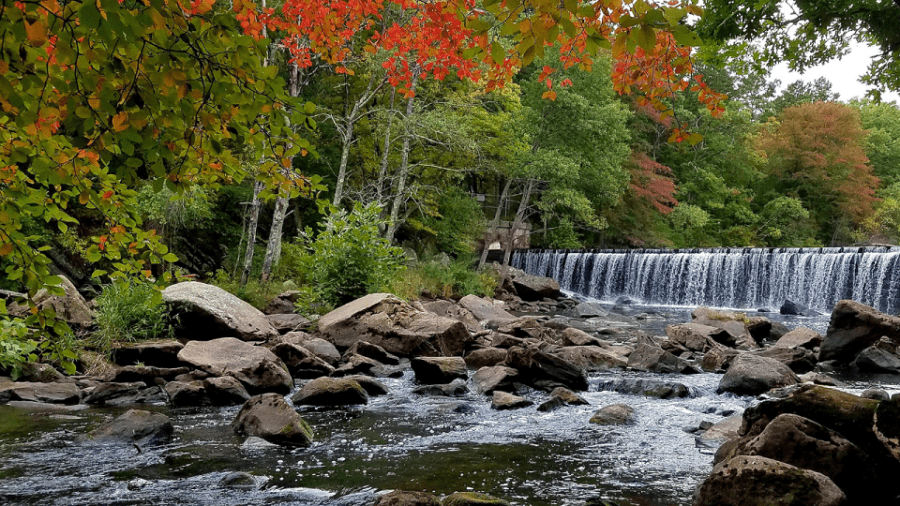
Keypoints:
pixel 744 278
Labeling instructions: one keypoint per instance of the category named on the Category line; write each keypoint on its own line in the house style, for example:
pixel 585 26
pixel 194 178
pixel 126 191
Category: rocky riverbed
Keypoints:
pixel 575 403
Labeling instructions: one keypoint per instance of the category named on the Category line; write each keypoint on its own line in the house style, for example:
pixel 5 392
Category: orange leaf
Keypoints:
pixel 6 249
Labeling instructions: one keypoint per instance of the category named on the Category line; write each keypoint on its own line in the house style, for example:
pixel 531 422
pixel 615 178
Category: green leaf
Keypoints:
pixel 89 15
pixel 645 37
pixel 170 257
pixel 497 52
pixel 97 273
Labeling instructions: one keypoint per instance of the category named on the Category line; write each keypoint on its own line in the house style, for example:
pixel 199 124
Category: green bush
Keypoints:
pixel 347 259
pixel 15 348
pixel 129 312
pixel 351 258
pixel 254 292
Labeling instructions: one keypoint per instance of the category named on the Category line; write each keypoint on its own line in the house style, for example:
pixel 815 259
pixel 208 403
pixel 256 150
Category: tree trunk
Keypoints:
pixel 346 131
pixel 403 172
pixel 520 217
pixel 251 233
pixel 495 223
pixel 273 247
pixel 382 170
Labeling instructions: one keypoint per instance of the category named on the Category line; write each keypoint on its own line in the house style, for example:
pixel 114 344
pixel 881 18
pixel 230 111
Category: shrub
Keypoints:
pixel 349 258
pixel 254 292
pixel 129 312
pixel 15 348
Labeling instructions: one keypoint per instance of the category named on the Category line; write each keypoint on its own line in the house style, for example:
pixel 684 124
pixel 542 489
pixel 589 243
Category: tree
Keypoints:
pixel 807 32
pixel 95 97
pixel 883 142
pixel 816 153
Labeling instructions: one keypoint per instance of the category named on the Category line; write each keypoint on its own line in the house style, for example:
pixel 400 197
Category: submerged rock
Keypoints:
pixel 268 416
pixel 615 414
pixel 646 387
pixel 403 498
pixel 472 499
pixel 134 426
pixel 505 400
pixel 457 388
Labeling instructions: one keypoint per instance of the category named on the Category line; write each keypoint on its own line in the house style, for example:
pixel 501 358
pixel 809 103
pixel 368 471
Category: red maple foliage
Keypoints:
pixel 489 41
pixel 651 182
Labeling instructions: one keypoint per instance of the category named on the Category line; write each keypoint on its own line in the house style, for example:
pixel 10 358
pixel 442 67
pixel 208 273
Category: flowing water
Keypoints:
pixel 747 278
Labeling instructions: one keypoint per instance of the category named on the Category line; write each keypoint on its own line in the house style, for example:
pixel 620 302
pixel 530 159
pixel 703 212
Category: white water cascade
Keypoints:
pixel 726 277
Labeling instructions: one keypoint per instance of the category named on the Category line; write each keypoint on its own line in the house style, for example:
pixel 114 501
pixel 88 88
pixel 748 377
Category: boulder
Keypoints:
pixel 455 311
pixel 403 498
pixel 722 431
pixel 790 307
pixel 758 481
pixel 718 360
pixel 524 327
pixel 457 388
pixel 655 359
pixel 301 363
pixel 614 414
pixel 331 392
pixel 472 499
pixel 147 374
pixel 800 360
pixel 877 360
pixel 569 397
pixel 534 288
pixel 209 312
pixel 69 307
pixel 134 426
pixel 385 320
pixel 254 366
pixel 53 393
pixel 372 351
pixel 483 357
pixel 588 310
pixel 357 364
pixel 485 309
pixel 806 444
pixel 851 416
pixel 268 416
pixel 752 375
pixel 499 340
pixel 738 324
pixel 853 328
pixel 372 386
pixel 162 354
pixel 646 387
pixel 438 370
pixel 505 400
pixel 800 338
pixel 489 379
pixel 320 347
pixel 699 337
pixel 217 391
pixel 123 394
pixel 886 425
pixel 591 358
pixel 287 322
pixel 577 337
pixel 543 370
pixel 186 394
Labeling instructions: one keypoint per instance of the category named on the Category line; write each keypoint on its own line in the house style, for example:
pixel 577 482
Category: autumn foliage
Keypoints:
pixel 818 151
pixel 652 182
pixel 491 41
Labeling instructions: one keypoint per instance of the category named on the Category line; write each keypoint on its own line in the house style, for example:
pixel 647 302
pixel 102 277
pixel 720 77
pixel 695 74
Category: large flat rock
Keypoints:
pixel 208 312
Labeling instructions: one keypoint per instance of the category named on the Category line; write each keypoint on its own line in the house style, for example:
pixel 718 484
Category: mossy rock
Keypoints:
pixel 471 499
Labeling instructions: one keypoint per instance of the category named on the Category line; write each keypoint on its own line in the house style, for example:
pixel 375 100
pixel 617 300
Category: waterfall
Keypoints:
pixel 750 278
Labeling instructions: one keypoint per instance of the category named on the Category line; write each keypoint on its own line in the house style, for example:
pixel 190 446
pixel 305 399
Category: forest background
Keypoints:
pixel 308 142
